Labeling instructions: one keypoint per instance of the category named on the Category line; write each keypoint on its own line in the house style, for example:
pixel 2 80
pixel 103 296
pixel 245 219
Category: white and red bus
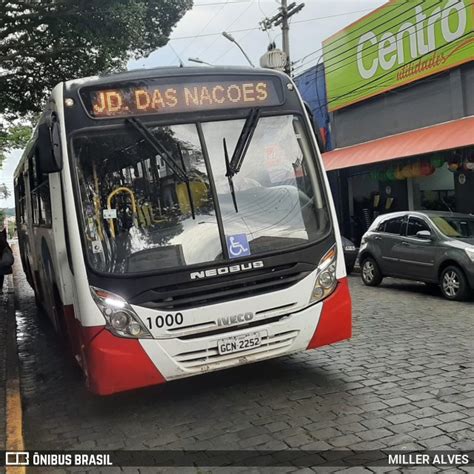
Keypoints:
pixel 178 221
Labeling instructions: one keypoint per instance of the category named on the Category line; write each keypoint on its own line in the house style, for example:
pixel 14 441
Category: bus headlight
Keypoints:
pixel 121 320
pixel 326 281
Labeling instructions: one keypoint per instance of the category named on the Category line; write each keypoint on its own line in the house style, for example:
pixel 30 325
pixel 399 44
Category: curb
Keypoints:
pixel 14 412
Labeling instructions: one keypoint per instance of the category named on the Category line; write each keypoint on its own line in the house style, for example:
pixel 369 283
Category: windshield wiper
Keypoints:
pixel 243 143
pixel 229 174
pixel 233 165
pixel 140 127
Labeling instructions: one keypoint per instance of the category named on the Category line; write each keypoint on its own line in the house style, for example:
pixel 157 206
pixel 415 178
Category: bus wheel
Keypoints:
pixel 370 272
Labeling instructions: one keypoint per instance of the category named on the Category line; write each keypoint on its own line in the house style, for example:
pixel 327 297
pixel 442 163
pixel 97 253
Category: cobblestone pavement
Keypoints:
pixel 405 380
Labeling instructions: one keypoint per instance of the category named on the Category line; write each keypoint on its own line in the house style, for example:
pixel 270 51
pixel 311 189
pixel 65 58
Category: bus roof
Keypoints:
pixel 174 71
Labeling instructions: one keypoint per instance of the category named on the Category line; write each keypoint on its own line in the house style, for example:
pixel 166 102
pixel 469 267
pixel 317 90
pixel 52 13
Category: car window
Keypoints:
pixel 394 226
pixel 380 227
pixel 416 225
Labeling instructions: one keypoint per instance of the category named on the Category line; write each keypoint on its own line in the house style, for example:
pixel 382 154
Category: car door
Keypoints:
pixel 389 241
pixel 416 255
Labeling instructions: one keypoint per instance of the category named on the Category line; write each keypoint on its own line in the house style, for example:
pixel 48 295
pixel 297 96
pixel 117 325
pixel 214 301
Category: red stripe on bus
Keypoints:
pixel 116 364
pixel 335 322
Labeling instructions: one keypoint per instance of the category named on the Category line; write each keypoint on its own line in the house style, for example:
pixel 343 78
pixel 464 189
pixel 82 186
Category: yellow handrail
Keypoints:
pixel 122 189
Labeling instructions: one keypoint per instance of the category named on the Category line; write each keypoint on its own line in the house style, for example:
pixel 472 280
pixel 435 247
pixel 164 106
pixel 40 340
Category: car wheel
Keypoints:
pixel 453 284
pixel 370 272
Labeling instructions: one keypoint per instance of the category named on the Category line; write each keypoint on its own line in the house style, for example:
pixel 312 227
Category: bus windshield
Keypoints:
pixel 167 202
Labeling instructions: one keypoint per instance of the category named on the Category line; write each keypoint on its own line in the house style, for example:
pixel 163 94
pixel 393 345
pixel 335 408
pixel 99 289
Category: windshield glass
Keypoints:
pixel 147 208
pixel 277 196
pixel 455 227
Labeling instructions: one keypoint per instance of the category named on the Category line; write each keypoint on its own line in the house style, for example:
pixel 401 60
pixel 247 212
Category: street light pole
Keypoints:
pixel 199 61
pixel 229 37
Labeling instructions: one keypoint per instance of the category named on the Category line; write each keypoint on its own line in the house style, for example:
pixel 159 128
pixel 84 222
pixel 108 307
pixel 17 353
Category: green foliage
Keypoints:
pixel 44 42
pixel 13 137
pixel 4 191
pixel 11 230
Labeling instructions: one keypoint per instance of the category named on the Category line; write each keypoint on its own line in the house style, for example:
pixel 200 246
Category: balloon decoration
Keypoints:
pixel 420 168
pixel 427 169
pixel 454 165
pixel 398 174
pixel 437 161
pixel 457 162
pixel 468 166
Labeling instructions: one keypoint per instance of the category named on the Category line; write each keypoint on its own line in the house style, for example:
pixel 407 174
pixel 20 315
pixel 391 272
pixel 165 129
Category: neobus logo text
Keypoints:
pixel 213 272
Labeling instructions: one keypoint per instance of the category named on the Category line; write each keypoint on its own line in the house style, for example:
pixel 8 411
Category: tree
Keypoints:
pixel 14 137
pixel 43 42
pixel 4 191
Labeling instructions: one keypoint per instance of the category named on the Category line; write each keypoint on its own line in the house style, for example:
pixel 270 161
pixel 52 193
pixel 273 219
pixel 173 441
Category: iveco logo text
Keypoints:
pixel 212 272
pixel 237 318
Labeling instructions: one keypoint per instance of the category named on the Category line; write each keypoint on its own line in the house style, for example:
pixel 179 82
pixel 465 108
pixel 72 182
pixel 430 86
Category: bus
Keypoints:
pixel 178 221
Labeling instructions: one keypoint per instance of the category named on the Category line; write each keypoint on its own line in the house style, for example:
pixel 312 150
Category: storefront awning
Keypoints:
pixel 445 136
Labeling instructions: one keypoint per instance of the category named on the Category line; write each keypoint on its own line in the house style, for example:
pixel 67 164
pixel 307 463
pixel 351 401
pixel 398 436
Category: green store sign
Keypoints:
pixel 400 42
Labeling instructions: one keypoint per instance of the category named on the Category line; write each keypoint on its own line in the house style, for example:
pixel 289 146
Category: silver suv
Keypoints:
pixel 429 246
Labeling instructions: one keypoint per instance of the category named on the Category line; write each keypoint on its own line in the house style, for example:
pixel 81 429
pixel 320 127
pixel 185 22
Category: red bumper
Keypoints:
pixel 335 322
pixel 116 364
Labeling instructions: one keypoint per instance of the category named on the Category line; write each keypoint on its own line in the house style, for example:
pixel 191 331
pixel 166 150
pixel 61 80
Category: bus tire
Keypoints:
pixel 370 272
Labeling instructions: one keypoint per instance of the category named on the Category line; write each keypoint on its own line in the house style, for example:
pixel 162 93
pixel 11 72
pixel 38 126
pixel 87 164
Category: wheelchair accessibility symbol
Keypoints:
pixel 237 245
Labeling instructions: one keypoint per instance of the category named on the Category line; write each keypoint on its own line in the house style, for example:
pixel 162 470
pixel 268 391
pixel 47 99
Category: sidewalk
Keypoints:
pixel 6 311
pixel 11 414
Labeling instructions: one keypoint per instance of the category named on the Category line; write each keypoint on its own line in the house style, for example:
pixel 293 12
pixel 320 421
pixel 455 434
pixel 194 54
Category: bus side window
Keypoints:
pixel 40 195
pixel 21 199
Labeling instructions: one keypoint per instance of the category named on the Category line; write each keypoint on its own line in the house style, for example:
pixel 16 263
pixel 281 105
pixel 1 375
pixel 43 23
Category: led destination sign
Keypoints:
pixel 152 97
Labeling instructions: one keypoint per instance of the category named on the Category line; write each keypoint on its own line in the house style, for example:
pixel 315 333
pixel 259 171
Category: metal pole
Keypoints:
pixel 245 54
pixel 285 34
pixel 229 37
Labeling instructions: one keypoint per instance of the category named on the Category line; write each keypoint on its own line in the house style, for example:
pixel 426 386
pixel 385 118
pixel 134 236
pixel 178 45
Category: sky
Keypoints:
pixel 198 35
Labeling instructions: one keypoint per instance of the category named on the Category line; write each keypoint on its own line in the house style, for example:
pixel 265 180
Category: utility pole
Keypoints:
pixel 281 18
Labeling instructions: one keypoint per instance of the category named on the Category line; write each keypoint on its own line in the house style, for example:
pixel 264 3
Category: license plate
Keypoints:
pixel 239 343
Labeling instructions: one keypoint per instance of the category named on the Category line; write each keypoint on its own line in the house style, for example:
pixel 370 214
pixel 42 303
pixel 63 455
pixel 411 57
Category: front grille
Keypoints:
pixel 199 293
pixel 226 329
pixel 271 346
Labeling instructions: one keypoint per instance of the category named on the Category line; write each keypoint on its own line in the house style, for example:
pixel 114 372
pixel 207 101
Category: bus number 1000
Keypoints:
pixel 168 321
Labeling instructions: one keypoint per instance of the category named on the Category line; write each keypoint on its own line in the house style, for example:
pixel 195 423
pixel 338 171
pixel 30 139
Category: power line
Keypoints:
pixel 219 3
pixel 378 42
pixel 231 46
pixel 361 88
pixel 373 46
pixel 257 28
pixel 205 26
pixel 359 28
pixel 226 29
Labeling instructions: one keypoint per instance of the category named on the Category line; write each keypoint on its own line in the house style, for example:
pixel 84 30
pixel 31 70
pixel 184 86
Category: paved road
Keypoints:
pixel 406 379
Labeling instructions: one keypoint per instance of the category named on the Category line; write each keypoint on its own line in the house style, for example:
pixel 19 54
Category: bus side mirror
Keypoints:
pixel 49 147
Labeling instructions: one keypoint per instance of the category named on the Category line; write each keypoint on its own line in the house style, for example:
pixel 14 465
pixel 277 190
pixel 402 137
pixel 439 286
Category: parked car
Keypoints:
pixel 430 246
pixel 350 254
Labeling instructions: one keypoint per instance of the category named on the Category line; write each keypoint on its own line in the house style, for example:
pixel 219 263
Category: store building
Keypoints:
pixel 400 95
